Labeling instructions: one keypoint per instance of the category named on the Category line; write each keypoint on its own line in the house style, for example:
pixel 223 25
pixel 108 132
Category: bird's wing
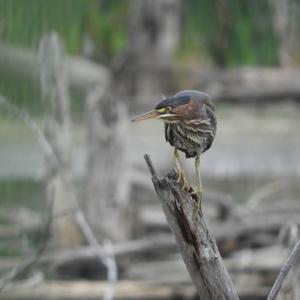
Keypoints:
pixel 169 134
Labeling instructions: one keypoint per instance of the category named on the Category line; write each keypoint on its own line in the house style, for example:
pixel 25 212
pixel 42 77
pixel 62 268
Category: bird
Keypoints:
pixel 190 127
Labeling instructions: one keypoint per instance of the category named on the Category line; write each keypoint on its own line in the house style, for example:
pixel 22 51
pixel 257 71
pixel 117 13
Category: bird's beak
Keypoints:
pixel 153 114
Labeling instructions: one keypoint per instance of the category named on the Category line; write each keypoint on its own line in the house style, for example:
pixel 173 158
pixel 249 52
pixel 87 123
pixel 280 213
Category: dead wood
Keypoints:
pixel 125 290
pixel 290 262
pixel 54 85
pixel 21 269
pixel 247 85
pixel 55 91
pixel 121 250
pixel 262 223
pixel 196 245
pixel 153 32
pixel 84 255
pixel 23 63
pixel 107 179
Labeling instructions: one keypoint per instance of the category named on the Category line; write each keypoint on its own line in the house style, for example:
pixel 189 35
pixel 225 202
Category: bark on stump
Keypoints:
pixel 197 246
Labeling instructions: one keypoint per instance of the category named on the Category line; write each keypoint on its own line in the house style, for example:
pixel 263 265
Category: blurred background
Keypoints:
pixel 79 218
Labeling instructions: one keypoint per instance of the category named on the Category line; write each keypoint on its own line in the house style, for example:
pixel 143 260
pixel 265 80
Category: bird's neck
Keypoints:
pixel 171 121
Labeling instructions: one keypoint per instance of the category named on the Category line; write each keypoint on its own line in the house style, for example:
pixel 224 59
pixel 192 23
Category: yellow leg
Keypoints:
pixel 181 175
pixel 199 187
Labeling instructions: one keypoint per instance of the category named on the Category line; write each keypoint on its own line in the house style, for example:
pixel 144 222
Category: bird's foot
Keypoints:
pixel 198 193
pixel 185 186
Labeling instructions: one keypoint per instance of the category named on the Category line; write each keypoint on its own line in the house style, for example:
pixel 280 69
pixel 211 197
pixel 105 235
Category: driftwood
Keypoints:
pixel 196 245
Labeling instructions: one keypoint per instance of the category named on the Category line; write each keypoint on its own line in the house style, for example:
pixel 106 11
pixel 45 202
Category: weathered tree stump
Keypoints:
pixel 197 246
pixel 107 179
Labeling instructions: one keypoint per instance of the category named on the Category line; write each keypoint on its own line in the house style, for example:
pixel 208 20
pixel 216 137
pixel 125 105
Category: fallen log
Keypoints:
pixel 124 290
pixel 23 63
pixel 248 84
pixel 85 254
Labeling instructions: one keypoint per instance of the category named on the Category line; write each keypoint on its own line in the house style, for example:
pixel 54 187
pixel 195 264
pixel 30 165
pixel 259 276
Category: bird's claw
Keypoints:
pixel 198 193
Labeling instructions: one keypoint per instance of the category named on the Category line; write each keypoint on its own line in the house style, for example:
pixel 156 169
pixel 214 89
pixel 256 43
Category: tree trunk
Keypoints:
pixel 107 181
pixel 153 39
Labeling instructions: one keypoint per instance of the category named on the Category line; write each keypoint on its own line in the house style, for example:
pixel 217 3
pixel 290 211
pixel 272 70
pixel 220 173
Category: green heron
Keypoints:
pixel 190 127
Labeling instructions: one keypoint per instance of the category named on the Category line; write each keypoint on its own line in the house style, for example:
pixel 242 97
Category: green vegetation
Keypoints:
pixel 230 33
pixel 240 33
pixel 22 193
pixel 16 194
pixel 241 29
pixel 106 24
pixel 23 23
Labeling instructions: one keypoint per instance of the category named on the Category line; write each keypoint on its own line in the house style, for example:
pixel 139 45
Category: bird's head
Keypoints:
pixel 182 106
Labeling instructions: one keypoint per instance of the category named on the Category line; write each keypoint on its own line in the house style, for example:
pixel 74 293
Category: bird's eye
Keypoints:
pixel 164 109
